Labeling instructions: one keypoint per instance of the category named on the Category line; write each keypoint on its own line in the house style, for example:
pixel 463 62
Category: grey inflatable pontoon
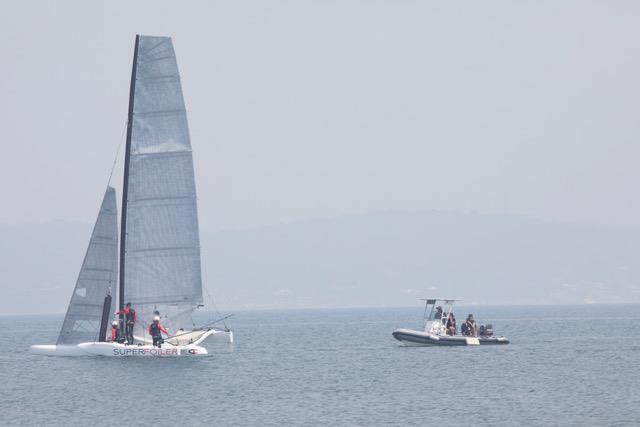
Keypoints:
pixel 412 337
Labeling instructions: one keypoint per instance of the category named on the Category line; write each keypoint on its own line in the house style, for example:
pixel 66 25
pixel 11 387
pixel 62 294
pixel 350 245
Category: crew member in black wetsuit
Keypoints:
pixel 156 330
pixel 129 321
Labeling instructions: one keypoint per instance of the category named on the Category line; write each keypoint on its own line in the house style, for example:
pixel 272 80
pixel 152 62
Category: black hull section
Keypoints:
pixel 493 341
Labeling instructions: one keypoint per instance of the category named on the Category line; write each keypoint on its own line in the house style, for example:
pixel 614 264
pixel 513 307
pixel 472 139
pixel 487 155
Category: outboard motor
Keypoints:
pixel 486 331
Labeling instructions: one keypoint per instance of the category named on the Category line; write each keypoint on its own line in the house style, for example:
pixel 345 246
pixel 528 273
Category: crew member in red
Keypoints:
pixel 156 330
pixel 129 321
pixel 114 331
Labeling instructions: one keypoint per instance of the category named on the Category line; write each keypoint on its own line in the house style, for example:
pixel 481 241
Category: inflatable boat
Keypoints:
pixel 439 330
pixel 412 337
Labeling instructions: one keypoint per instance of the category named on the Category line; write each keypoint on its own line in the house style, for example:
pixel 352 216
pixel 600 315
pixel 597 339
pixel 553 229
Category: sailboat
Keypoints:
pixel 157 265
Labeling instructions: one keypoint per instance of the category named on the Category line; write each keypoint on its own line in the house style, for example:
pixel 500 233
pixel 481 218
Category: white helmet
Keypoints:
pixel 114 323
pixel 156 318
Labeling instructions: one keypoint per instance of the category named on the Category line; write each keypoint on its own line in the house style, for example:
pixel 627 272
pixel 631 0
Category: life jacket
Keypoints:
pixel 154 330
pixel 114 334
pixel 130 317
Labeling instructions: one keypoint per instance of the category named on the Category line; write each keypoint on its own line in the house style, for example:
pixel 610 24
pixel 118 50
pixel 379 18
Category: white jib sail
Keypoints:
pixel 98 274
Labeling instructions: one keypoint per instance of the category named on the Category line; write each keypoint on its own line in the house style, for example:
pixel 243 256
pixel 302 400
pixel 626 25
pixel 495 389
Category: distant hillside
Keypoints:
pixel 382 259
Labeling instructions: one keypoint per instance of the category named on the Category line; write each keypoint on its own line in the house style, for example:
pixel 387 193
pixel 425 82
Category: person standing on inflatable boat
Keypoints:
pixel 129 321
pixel 156 330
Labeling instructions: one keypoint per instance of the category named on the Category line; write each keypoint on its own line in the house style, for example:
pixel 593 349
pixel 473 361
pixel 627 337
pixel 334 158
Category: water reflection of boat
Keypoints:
pixel 435 329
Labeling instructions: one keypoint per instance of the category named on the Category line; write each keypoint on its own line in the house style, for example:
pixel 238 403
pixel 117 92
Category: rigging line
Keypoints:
pixel 218 320
pixel 200 328
pixel 215 307
pixel 179 334
pixel 115 160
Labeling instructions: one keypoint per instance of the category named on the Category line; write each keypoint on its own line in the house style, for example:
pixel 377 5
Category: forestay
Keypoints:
pixel 162 249
pixel 98 274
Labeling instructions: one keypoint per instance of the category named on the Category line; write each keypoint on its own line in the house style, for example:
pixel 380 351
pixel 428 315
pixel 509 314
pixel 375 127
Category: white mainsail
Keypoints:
pixel 161 244
pixel 99 274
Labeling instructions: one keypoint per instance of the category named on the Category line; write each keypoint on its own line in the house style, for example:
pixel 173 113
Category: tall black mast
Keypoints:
pixel 125 184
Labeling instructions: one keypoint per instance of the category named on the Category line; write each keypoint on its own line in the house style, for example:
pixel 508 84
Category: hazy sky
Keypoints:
pixel 302 109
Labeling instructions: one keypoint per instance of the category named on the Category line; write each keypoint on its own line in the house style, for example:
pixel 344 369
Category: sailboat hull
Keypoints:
pixel 116 350
pixel 57 350
pixel 109 349
pixel 173 347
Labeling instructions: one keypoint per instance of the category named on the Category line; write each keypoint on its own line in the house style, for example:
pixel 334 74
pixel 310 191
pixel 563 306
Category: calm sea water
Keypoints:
pixel 574 365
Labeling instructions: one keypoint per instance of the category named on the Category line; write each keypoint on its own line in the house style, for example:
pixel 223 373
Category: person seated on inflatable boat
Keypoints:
pixel 464 329
pixel 156 330
pixel 451 324
pixel 438 314
pixel 472 327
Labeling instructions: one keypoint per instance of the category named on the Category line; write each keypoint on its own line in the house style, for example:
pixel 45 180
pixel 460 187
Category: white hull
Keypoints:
pixel 117 350
pixel 57 350
pixel 111 349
